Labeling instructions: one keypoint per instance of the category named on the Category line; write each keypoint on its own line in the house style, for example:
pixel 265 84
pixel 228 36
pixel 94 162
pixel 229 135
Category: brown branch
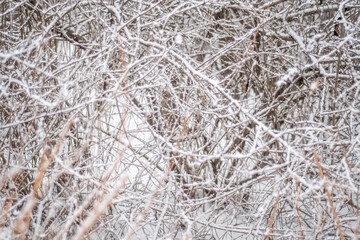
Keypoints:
pixel 329 196
pixel 302 236
pixel 273 216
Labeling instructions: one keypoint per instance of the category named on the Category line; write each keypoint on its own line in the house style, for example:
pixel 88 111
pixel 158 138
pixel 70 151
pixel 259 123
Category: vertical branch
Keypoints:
pixel 329 196
pixel 302 236
pixel 273 216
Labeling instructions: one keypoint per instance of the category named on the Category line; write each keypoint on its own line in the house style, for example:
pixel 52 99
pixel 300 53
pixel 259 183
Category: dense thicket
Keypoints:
pixel 179 119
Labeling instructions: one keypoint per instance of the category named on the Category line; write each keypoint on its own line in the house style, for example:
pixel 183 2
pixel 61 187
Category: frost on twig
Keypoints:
pixel 289 77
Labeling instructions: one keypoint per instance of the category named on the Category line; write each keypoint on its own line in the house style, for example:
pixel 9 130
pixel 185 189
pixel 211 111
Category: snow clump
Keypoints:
pixel 178 39
pixel 288 77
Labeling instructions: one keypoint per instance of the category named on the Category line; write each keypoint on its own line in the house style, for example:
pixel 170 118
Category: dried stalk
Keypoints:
pixel 329 196
pixel 273 216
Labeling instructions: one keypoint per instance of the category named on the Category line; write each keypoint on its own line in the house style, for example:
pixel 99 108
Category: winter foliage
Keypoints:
pixel 201 119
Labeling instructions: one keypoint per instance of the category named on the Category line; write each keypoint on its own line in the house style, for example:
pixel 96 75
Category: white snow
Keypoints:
pixel 314 86
pixel 288 77
pixel 178 39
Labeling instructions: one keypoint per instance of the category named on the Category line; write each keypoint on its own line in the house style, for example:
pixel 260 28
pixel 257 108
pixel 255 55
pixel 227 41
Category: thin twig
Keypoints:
pixel 143 214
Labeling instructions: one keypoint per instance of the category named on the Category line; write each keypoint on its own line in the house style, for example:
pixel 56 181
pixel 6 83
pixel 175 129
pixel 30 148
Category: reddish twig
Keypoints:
pixel 273 216
pixel 329 196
